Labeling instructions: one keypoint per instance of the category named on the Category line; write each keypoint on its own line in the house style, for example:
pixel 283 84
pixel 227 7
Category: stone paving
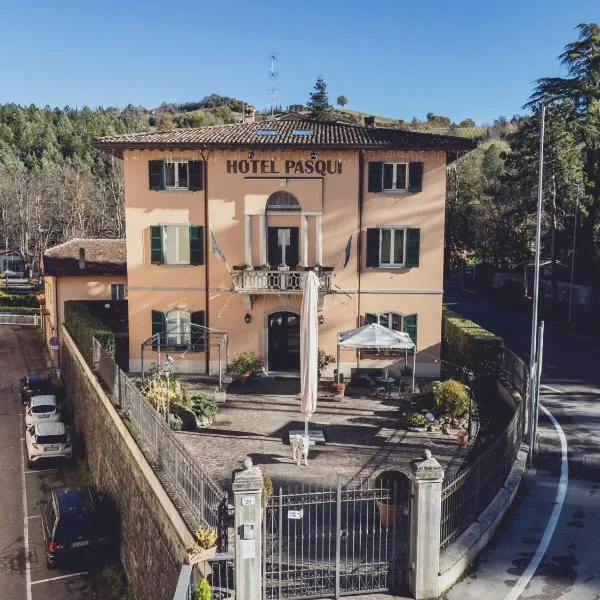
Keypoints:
pixel 363 435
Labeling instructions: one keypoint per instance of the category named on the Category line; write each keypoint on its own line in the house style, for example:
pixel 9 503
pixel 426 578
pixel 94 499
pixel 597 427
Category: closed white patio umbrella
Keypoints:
pixel 309 348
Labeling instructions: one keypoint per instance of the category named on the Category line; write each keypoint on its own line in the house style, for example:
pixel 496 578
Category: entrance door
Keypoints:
pixel 283 246
pixel 284 342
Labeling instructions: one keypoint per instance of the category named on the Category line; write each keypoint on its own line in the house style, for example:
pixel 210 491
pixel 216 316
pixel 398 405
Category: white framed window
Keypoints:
pixel 392 247
pixel 391 320
pixel 176 244
pixel 176 175
pixel 395 176
pixel 178 328
pixel 117 291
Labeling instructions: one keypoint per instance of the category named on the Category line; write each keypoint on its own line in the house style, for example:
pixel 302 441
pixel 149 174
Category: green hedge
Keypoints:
pixel 83 326
pixel 28 300
pixel 19 310
pixel 466 344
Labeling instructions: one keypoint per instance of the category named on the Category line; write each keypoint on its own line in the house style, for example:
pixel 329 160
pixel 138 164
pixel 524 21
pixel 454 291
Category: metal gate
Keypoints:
pixel 341 540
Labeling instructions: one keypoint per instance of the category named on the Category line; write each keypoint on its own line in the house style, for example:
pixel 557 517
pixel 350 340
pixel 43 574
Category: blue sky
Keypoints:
pixel 467 58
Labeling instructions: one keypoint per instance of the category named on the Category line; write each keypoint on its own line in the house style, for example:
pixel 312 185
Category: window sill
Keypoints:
pixel 176 265
pixel 177 190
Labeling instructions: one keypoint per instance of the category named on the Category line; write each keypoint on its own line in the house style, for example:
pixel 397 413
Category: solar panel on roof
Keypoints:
pixel 267 132
pixel 302 132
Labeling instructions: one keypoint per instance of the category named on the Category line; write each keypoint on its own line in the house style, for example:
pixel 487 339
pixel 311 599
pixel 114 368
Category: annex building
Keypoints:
pixel 223 221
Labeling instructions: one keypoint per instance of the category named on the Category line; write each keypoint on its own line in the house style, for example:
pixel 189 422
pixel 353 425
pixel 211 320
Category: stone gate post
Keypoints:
pixel 426 515
pixel 247 492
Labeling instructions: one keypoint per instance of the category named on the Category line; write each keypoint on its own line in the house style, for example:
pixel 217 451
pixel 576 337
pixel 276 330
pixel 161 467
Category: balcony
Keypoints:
pixel 273 281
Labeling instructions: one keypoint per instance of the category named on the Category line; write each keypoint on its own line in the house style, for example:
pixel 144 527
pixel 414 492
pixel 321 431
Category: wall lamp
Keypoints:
pixel 251 154
pixel 247 318
pixel 321 319
pixel 313 156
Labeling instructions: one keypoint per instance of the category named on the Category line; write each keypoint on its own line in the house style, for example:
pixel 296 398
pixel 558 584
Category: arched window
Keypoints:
pixel 391 320
pixel 178 328
pixel 282 201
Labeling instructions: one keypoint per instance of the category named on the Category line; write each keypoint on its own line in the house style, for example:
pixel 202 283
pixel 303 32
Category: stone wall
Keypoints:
pixel 153 534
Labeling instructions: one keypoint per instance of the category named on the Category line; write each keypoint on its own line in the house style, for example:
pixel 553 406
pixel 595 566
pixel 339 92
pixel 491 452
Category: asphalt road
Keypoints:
pixel 569 565
pixel 23 570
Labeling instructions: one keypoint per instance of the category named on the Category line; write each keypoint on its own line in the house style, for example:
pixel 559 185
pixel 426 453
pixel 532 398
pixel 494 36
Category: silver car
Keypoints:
pixel 42 408
pixel 48 440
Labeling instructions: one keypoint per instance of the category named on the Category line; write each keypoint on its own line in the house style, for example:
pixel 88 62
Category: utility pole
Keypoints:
pixel 573 258
pixel 534 366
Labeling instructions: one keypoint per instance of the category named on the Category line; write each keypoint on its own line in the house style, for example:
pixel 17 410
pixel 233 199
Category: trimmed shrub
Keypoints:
pixel 205 408
pixel 203 590
pixel 28 300
pixel 185 415
pixel 452 397
pixel 83 326
pixel 415 419
pixel 245 362
pixel 468 345
pixel 19 310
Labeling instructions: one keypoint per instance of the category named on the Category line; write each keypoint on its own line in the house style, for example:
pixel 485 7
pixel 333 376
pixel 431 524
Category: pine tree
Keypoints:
pixel 319 106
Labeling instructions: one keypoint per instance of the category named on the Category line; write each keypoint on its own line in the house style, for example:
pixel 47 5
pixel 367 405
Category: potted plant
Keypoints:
pixel 245 364
pixel 338 390
pixel 203 590
pixel 204 546
pixel 415 421
pixel 393 481
pixel 323 360
pixel 462 438
pixel 220 394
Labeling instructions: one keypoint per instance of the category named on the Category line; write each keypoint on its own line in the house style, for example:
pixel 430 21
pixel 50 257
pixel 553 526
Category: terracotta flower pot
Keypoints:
pixel 387 513
pixel 245 376
pixel 462 438
pixel 199 557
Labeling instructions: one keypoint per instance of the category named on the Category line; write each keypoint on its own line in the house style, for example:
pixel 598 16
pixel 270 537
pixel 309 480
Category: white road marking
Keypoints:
pixel 34 517
pixel 552 389
pixel 553 520
pixel 25 528
pixel 59 577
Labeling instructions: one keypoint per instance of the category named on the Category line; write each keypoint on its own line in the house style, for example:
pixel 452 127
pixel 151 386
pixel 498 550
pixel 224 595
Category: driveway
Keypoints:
pixel 23 570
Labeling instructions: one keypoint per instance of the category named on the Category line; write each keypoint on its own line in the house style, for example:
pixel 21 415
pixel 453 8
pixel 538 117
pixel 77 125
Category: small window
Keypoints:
pixel 176 175
pixel 390 320
pixel 395 176
pixel 392 247
pixel 178 328
pixel 176 242
pixel 117 291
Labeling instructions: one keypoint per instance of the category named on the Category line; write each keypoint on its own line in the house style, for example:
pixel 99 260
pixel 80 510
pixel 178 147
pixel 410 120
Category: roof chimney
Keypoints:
pixel 82 258
pixel 369 121
pixel 249 113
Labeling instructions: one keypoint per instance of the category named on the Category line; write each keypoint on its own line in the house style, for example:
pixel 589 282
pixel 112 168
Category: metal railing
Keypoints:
pixel 16 319
pixel 468 493
pixel 219 572
pixel 185 479
pixel 516 371
pixel 277 282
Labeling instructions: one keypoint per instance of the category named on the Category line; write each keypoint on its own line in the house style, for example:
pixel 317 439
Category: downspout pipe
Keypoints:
pixel 206 263
pixel 359 244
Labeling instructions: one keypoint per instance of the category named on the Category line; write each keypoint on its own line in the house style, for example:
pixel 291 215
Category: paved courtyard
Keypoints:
pixel 363 435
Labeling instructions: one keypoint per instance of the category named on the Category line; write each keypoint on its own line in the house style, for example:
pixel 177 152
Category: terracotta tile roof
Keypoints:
pixel 287 134
pixel 102 257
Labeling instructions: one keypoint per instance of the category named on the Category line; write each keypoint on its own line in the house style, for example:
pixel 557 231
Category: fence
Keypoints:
pixel 198 496
pixel 10 319
pixel 476 483
pixel 516 370
pixel 219 573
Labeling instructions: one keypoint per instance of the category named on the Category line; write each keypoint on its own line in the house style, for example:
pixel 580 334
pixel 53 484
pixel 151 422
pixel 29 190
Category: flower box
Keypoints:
pixel 198 557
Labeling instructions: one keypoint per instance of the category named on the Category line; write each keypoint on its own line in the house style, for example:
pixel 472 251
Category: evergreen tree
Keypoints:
pixel 319 106
pixel 342 101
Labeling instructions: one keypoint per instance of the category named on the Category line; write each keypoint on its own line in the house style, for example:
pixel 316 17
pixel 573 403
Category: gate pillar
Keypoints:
pixel 426 515
pixel 247 492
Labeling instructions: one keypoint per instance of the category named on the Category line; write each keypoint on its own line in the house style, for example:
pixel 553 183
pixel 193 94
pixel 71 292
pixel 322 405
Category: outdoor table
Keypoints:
pixel 387 383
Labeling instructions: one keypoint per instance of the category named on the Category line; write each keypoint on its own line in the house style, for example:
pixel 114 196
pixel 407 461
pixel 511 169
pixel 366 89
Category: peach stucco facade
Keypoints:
pixel 233 205
pixel 60 289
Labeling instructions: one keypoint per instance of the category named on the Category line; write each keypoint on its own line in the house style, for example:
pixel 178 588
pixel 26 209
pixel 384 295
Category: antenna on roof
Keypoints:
pixel 273 74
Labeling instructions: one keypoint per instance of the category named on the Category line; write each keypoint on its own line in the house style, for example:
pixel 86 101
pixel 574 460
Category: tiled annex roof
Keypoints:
pixel 102 257
pixel 287 134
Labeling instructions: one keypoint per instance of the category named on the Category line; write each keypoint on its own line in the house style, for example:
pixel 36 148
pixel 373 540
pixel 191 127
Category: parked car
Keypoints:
pixel 42 408
pixel 79 526
pixel 35 385
pixel 48 440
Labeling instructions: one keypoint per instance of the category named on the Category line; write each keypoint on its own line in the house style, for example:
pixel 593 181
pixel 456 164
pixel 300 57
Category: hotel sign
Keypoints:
pixel 284 167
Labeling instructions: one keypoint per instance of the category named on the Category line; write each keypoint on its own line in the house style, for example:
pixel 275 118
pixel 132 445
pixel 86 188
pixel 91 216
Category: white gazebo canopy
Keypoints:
pixel 375 336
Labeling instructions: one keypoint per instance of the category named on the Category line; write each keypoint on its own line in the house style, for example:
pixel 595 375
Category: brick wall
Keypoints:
pixel 154 536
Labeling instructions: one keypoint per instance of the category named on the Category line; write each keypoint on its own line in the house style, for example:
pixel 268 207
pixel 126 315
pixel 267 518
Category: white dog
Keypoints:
pixel 300 445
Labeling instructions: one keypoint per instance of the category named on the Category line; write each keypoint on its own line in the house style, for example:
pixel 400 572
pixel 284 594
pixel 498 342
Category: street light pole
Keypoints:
pixel 533 387
pixel 573 258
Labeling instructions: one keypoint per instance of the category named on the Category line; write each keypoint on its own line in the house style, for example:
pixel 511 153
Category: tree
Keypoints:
pixel 579 95
pixel 319 106
pixel 468 122
pixel 342 101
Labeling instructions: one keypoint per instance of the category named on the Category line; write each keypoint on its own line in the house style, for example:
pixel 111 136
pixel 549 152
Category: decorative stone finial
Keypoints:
pixel 426 454
pixel 247 462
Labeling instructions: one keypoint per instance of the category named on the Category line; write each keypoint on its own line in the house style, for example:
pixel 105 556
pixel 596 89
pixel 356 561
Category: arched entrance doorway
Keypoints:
pixel 284 341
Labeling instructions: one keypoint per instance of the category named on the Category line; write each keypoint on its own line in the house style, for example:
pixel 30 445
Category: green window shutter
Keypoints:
pixel 409 326
pixel 375 176
pixel 196 245
pixel 195 175
pixel 159 325
pixel 413 246
pixel 372 247
pixel 370 318
pixel 155 171
pixel 415 176
pixel 198 336
pixel 156 245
